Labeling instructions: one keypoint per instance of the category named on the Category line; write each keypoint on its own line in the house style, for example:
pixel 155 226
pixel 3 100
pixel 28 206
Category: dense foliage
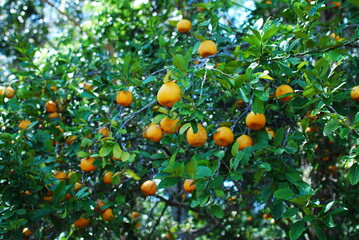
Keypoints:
pixel 298 182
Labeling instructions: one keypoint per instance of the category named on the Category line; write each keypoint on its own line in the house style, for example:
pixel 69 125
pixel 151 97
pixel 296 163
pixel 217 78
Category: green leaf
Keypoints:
pixel 234 149
pixel 203 172
pixel 355 2
pixel 132 174
pixel 284 193
pixel 354 174
pixel 169 182
pixel 319 231
pixel 240 80
pixel 59 191
pixel 148 80
pixel 217 211
pixel 191 168
pixel 290 212
pixel 184 128
pixel 330 127
pixel 291 147
pixel 82 154
pixel 278 137
pixel 125 156
pixel 258 106
pixel 235 162
pixel 116 151
pixel 105 150
pixel 296 230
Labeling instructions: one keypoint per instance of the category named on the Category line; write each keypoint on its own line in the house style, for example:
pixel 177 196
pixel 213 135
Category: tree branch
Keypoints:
pixel 64 14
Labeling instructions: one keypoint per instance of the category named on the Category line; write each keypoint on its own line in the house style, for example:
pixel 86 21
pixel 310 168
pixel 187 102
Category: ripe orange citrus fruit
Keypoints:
pixel 26 232
pixel 135 215
pixel 7 91
pixel 284 89
pixel 107 178
pixel 184 26
pixel 188 187
pixel 223 137
pixel 108 215
pixel 207 48
pixel 104 131
pixel 197 139
pixel 267 216
pixel 270 131
pixel 168 94
pixel 334 36
pixel 149 188
pixel 336 5
pixel 169 126
pixel 24 124
pixel 62 176
pixel 244 141
pixel 250 219
pixel 50 107
pixel 354 93
pixel 77 186
pixel 87 164
pixel 54 115
pixel 82 222
pixel 200 9
pixel 70 140
pixel 154 133
pixel 88 87
pixel 255 121
pixel 124 98
pixel 99 205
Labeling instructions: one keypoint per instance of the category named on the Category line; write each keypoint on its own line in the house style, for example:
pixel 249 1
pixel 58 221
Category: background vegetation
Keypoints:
pixel 299 184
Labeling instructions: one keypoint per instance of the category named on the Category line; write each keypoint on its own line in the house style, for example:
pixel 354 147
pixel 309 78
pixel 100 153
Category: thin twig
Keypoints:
pixel 158 220
pixel 132 115
pixel 312 51
pixel 64 14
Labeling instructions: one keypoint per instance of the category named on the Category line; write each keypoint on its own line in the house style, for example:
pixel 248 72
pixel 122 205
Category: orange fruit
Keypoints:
pixel 7 91
pixel 107 215
pixel 99 205
pixel 138 225
pixel 239 103
pixel 184 26
pixel 354 93
pixel 244 141
pixel 270 131
pixel 50 107
pixel 284 89
pixel 124 98
pixel 207 48
pixel 169 126
pixel 149 188
pixel 168 94
pixel 88 87
pixel 48 196
pixel 310 117
pixel 68 196
pixel 77 186
pixel 154 133
pixel 135 215
pixel 24 124
pixel 197 139
pixel 267 216
pixel 334 36
pixel 268 2
pixel 326 159
pixel 87 164
pixel 255 121
pixel 107 178
pixel 223 137
pixel 54 115
pixel 82 222
pixel 188 187
pixel 250 219
pixel 336 5
pixel 53 88
pixel 200 9
pixel 62 176
pixel 104 131
pixel 26 232
pixel 70 140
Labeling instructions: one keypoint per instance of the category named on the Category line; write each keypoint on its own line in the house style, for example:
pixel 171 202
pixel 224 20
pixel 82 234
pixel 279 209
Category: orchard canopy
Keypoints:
pixel 164 119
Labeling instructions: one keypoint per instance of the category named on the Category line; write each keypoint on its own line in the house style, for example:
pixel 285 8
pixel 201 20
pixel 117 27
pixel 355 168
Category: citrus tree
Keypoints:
pixel 179 119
